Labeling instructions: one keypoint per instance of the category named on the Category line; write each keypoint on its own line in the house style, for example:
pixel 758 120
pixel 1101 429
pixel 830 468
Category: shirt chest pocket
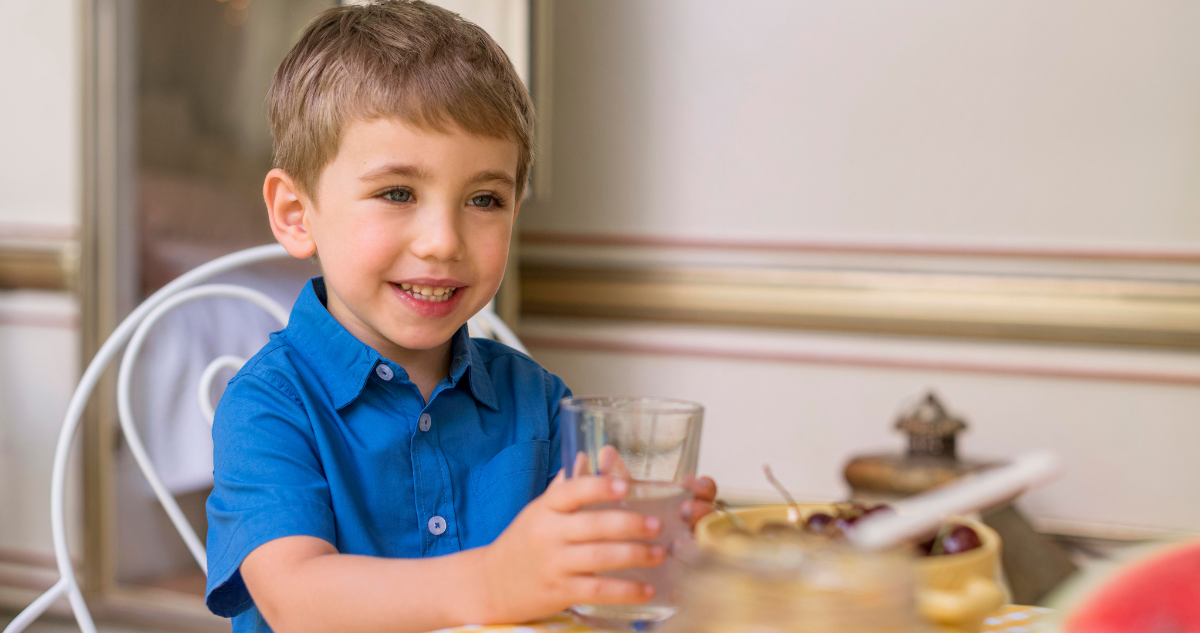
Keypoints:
pixel 504 485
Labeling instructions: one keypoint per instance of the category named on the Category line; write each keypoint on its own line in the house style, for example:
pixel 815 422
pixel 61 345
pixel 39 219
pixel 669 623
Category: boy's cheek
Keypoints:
pixel 493 251
pixel 355 251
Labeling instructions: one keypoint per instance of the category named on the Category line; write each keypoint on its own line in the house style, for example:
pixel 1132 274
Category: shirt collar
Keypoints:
pixel 343 363
pixel 465 361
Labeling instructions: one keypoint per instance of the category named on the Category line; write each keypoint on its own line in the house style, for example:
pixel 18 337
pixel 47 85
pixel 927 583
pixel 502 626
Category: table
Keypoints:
pixel 1013 619
pixel 1010 619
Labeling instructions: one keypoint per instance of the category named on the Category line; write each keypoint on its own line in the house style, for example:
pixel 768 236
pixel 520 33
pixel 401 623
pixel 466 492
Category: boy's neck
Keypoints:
pixel 425 367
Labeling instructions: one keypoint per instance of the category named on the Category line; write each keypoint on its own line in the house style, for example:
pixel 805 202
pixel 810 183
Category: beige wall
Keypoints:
pixel 1019 125
pixel 39 112
pixel 507 21
pixel 39 345
pixel 1069 123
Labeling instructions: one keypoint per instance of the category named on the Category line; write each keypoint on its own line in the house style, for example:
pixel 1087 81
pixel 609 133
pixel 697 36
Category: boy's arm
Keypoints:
pixel 543 563
pixel 301 583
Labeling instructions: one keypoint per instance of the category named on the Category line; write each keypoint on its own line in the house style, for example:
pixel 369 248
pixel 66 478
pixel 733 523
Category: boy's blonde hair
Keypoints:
pixel 402 58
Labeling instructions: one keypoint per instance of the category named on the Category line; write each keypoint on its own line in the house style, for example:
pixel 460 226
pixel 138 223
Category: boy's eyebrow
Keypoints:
pixel 412 171
pixel 493 176
pixel 408 171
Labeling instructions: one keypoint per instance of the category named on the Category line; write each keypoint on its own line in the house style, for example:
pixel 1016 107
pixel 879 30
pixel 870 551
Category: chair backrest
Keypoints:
pixel 134 330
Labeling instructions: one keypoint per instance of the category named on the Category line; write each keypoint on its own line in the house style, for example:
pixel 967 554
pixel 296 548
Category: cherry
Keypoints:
pixel 960 539
pixel 817 521
pixel 845 525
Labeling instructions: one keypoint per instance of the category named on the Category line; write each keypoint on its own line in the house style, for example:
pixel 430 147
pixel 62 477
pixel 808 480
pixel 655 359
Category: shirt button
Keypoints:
pixel 425 422
pixel 383 371
pixel 437 525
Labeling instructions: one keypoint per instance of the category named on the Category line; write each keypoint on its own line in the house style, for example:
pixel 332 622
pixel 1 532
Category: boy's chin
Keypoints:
pixel 422 338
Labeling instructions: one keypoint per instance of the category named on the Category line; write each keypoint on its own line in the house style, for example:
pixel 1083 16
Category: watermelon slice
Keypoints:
pixel 1159 594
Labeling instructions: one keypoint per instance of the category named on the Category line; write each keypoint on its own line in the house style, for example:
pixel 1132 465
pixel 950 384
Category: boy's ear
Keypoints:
pixel 287 210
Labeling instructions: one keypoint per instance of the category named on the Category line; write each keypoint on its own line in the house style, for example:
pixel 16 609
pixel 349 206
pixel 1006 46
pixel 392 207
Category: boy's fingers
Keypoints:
pixel 611 462
pixel 581 491
pixel 601 590
pixel 693 510
pixel 582 465
pixel 704 488
pixel 609 525
pixel 599 557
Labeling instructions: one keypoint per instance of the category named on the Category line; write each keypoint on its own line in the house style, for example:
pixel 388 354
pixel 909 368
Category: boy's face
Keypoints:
pixel 412 229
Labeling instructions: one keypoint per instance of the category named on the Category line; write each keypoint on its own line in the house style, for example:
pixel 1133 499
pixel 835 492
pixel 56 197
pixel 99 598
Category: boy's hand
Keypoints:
pixel 546 560
pixel 705 490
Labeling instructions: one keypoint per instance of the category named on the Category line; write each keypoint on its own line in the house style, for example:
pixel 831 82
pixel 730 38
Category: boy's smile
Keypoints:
pixel 411 227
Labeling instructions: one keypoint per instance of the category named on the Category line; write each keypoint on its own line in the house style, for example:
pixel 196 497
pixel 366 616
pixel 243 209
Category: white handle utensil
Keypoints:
pixel 924 513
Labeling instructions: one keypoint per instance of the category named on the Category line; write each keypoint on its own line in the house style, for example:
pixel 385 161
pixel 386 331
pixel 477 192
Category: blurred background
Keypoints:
pixel 805 215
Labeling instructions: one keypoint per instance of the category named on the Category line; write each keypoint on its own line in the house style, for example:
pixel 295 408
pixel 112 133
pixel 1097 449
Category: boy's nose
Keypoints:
pixel 438 234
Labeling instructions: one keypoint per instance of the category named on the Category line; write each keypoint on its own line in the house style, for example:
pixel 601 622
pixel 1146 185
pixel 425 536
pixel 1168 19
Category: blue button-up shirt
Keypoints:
pixel 318 435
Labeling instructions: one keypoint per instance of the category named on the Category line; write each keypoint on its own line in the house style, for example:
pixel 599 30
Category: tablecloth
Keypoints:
pixel 1013 619
pixel 1010 619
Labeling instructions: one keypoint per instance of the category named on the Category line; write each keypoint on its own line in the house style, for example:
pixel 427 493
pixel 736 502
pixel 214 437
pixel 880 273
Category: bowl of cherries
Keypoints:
pixel 957 566
pixel 954 537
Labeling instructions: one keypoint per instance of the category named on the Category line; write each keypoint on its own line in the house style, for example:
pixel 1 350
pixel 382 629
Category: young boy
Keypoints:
pixel 376 468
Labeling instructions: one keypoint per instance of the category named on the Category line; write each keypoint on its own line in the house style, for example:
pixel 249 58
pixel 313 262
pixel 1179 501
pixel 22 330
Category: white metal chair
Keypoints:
pixel 133 330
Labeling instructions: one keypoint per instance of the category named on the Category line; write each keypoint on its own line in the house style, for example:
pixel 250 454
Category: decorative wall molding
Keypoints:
pixel 1100 531
pixel 158 609
pixel 26 580
pixel 44 267
pixel 31 318
pixel 1155 255
pixel 38 256
pixel 23 575
pixel 38 232
pixel 1107 312
pixel 874 362
pixel 1067 362
pixel 28 558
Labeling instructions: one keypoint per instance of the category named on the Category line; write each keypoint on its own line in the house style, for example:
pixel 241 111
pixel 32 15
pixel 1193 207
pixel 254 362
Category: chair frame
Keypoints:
pixel 130 335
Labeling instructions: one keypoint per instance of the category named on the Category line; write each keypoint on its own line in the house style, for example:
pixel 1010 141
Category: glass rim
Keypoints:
pixel 650 404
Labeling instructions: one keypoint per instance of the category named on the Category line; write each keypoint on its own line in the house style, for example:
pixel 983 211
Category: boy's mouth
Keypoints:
pixel 432 294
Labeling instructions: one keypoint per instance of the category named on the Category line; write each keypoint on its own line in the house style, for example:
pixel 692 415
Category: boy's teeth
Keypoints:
pixel 428 293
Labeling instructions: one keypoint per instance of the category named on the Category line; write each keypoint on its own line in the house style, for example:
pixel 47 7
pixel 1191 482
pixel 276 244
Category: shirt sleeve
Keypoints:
pixel 556 390
pixel 269 484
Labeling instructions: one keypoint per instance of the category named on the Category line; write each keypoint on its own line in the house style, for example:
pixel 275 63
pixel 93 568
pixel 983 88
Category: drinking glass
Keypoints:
pixel 654 443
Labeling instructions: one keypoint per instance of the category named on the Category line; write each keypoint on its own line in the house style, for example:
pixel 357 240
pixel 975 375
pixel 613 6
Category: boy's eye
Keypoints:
pixel 398 195
pixel 484 201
